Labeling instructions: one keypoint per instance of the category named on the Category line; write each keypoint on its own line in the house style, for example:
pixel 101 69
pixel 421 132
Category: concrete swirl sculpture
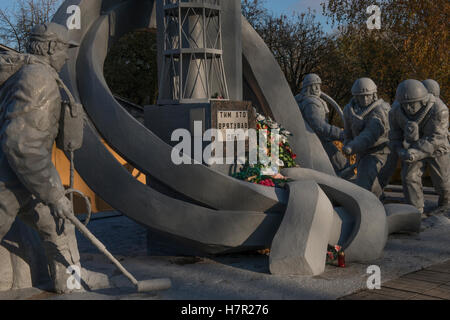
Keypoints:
pixel 218 213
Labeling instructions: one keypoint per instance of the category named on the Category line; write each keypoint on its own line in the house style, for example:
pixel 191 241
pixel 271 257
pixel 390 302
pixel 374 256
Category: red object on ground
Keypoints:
pixel 341 259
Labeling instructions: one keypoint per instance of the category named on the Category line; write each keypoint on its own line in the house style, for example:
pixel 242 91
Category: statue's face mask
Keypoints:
pixel 411 108
pixel 315 89
pixel 365 101
pixel 59 56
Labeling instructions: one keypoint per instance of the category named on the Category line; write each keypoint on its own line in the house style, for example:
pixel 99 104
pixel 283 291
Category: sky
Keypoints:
pixel 276 6
pixel 289 6
pixel 5 3
pixel 286 6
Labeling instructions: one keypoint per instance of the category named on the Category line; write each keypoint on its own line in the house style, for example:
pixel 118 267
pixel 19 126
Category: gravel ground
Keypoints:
pixel 241 276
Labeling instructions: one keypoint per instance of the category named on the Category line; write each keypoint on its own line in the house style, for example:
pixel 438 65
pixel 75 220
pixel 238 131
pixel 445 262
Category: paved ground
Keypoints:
pixel 432 283
pixel 244 276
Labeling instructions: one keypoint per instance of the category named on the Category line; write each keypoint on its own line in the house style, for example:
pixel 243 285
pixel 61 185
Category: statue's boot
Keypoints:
pixel 61 249
pixel 64 260
pixel 439 168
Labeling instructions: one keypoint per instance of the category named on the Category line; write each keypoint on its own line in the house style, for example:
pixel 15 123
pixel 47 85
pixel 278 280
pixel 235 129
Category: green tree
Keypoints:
pixel 131 67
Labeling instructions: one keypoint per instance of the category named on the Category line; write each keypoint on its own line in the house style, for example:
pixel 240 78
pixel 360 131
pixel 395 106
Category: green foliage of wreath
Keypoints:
pixel 256 173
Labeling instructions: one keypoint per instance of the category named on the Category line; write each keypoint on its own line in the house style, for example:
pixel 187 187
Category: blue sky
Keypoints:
pixel 286 6
pixel 6 3
pixel 276 6
pixel 289 6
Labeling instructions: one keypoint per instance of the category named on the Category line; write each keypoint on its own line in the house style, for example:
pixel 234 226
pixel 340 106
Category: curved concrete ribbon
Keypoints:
pixel 364 211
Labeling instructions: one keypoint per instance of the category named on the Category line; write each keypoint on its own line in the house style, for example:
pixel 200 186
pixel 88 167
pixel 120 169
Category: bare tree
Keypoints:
pixel 255 12
pixel 297 41
pixel 413 41
pixel 17 21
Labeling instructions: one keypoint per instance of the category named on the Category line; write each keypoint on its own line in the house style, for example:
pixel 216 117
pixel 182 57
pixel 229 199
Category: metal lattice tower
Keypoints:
pixel 193 68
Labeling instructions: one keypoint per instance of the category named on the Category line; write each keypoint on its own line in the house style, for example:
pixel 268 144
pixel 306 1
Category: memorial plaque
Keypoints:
pixel 233 119
pixel 228 121
pixel 236 117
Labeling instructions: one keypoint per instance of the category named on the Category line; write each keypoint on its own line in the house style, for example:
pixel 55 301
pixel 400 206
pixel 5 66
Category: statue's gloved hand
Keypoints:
pixel 61 209
pixel 348 150
pixel 413 155
pixel 402 153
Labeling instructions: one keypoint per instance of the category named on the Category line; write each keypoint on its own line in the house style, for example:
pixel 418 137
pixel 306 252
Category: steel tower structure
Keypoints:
pixel 192 68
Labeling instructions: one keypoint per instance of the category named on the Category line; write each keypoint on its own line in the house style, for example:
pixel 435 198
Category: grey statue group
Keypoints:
pixel 414 130
pixel 31 99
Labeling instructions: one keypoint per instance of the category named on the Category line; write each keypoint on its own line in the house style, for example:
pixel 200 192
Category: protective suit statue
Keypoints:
pixel 315 112
pixel 30 187
pixel 389 169
pixel 419 134
pixel 366 133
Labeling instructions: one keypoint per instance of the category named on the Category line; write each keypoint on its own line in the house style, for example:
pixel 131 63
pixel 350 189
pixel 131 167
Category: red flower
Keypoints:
pixel 267 183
